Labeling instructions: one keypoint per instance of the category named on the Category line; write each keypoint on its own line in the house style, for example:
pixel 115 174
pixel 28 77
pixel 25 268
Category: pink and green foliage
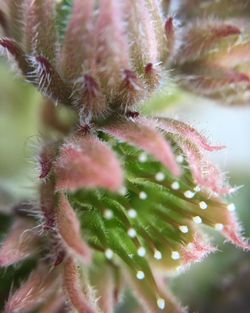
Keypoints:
pixel 212 52
pixel 121 195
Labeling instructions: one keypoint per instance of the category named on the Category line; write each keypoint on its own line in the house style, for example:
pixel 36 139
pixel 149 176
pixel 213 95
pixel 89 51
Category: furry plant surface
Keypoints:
pixel 120 196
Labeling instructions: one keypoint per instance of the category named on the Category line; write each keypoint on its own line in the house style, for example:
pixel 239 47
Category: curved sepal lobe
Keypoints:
pixel 86 162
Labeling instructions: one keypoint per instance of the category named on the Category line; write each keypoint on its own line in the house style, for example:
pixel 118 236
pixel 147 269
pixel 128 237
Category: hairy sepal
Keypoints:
pixel 113 47
pixel 86 162
pixel 155 9
pixel 184 130
pixel 46 158
pixel 171 37
pixel 208 79
pixel 33 292
pixel 144 134
pixel 200 36
pixel 144 50
pixel 46 78
pixel 56 303
pixel 236 55
pixel 233 231
pixel 74 290
pixel 48 201
pixel 156 300
pixel 69 228
pixel 105 288
pixel 20 243
pixel 196 250
pixel 93 101
pixel 4 22
pixel 76 55
pixel 223 218
pixel 40 29
pixel 10 48
pixel 205 173
pixel 224 9
pixel 130 91
pixel 16 18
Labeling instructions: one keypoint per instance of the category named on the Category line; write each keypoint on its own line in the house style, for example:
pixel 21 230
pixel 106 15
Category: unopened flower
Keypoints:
pixel 121 196
pixel 213 48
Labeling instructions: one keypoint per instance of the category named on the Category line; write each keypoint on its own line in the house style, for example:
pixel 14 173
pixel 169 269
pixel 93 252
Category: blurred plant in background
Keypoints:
pixel 120 195
pixel 212 54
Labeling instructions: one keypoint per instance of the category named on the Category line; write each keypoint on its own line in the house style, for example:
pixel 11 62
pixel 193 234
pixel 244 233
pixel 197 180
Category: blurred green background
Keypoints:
pixel 219 284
